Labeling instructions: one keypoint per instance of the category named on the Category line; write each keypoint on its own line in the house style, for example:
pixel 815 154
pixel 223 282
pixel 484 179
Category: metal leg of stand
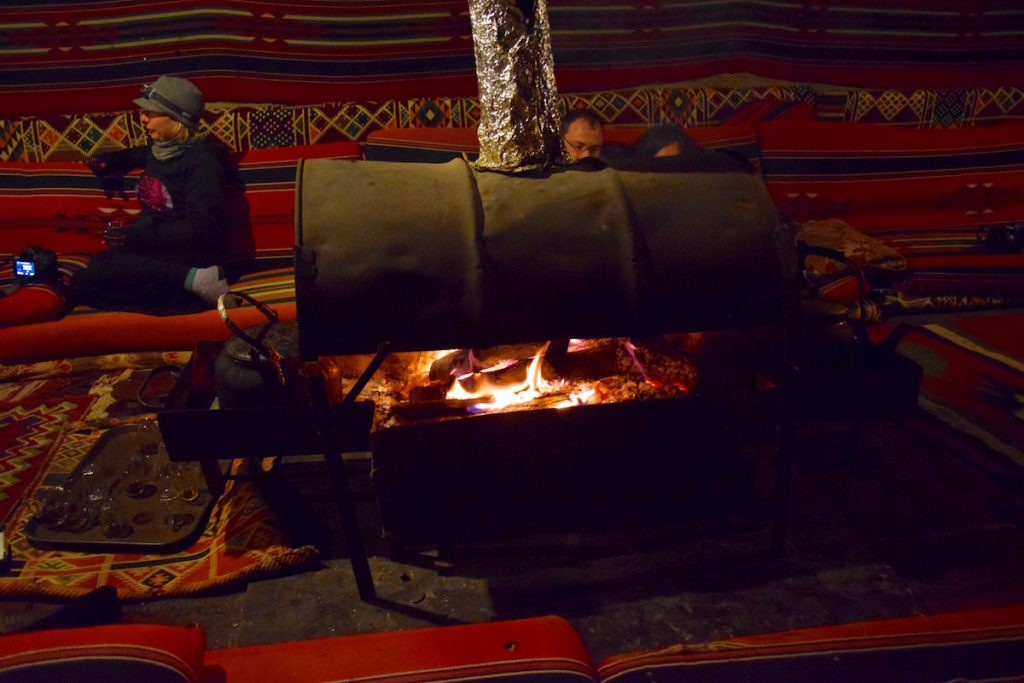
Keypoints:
pixel 331 440
pixel 787 377
pixel 343 498
pixel 784 475
pixel 350 524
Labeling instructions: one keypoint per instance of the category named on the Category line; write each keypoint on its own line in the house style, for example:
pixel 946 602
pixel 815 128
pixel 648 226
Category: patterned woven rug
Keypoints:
pixel 973 376
pixel 50 416
pixel 39 402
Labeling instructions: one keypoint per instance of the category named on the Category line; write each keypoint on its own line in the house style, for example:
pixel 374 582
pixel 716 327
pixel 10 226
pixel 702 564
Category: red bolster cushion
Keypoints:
pixel 538 649
pixel 87 332
pixel 31 303
pixel 120 652
pixel 975 645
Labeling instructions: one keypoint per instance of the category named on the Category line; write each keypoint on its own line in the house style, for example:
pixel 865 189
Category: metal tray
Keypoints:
pixel 156 525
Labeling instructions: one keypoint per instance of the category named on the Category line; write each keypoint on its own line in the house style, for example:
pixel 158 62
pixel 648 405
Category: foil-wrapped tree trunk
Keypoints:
pixel 519 126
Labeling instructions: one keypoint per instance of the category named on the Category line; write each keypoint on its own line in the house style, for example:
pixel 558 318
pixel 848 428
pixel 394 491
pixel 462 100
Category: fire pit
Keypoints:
pixel 444 256
pixel 517 426
pixel 599 434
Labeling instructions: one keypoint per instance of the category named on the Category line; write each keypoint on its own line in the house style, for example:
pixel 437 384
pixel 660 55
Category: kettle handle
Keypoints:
pixel 270 313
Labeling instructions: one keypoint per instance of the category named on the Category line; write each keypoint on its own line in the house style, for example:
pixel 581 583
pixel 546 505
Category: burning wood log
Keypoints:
pixel 433 392
pixel 431 410
pixel 464 361
pixel 507 363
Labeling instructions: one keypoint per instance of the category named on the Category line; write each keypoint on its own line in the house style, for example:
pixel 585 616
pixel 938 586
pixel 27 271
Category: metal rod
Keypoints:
pixel 382 351
pixel 339 481
pixel 784 468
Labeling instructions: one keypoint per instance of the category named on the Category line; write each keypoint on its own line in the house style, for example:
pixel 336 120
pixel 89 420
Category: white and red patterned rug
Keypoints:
pixel 50 415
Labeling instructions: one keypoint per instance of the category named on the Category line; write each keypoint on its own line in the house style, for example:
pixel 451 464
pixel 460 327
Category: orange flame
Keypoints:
pixel 483 393
pixel 493 397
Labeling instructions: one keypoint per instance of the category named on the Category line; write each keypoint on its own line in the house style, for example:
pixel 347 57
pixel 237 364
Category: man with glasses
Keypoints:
pixel 582 134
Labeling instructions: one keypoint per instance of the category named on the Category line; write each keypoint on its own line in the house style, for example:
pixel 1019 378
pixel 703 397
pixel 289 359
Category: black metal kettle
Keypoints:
pixel 252 369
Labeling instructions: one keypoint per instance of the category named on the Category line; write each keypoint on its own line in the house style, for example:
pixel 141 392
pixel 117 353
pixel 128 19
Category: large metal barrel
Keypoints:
pixel 439 256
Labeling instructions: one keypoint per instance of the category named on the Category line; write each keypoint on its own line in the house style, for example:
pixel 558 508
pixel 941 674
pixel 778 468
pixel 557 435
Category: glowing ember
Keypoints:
pixel 581 397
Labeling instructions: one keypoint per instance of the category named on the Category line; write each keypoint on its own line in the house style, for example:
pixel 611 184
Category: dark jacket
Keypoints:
pixel 181 203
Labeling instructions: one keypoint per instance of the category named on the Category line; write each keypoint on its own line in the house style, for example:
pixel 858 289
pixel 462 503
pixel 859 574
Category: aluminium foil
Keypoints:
pixel 519 125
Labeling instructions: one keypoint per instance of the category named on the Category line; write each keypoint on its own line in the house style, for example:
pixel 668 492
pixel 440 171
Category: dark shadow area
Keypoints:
pixel 902 526
pixel 898 502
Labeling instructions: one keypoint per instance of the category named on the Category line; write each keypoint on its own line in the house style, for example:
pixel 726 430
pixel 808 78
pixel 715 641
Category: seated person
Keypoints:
pixel 171 256
pixel 582 134
pixel 663 141
pixel 666 147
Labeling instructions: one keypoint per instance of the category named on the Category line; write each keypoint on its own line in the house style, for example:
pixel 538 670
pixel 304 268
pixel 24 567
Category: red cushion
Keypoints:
pixel 452 139
pixel 536 649
pixel 845 289
pixel 121 652
pixel 87 331
pixel 58 206
pixel 977 645
pixel 424 145
pixel 345 149
pixel 31 303
pixel 923 192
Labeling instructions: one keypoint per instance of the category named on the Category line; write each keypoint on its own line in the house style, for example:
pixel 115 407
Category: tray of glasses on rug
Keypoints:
pixel 125 496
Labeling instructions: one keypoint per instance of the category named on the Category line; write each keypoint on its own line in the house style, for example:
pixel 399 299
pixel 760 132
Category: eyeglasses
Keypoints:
pixel 581 147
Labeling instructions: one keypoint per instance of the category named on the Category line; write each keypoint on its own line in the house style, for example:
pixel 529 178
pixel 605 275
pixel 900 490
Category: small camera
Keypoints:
pixel 36 264
pixel 24 270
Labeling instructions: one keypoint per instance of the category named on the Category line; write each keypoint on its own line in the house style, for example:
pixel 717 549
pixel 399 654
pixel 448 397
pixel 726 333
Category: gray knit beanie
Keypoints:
pixel 176 97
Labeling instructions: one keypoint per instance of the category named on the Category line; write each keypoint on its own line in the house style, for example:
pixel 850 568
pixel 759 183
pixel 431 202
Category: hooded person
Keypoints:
pixel 170 258
pixel 665 147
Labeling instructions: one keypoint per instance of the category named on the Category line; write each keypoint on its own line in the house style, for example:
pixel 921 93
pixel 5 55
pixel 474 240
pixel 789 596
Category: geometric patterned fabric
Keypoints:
pixel 81 399
pixel 948 108
pixel 243 127
pixel 27 428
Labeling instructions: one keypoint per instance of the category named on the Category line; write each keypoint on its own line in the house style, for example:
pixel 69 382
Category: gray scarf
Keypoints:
pixel 165 150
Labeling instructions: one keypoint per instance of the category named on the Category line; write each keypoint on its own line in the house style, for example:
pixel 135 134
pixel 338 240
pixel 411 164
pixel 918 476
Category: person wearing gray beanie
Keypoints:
pixel 175 97
pixel 171 257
